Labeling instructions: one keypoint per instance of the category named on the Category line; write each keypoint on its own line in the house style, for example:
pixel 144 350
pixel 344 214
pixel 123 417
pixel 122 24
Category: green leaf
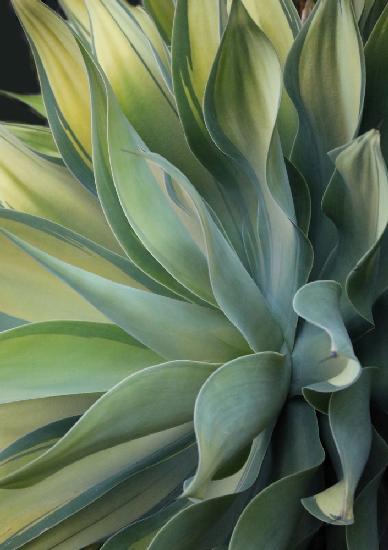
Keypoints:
pixel 113 210
pixel 128 500
pixel 35 101
pixel 301 197
pixel 358 6
pixel 196 38
pixel 88 485
pixel 43 297
pixel 65 358
pixel 63 82
pixel 20 418
pixel 376 103
pixel 149 401
pixel 228 277
pixel 182 207
pixel 31 445
pixel 356 200
pixel 318 303
pixel 276 241
pixel 323 358
pixel 191 331
pixel 140 79
pixel 372 350
pixel 8 321
pixel 324 77
pixel 372 12
pixel 225 424
pixel 173 233
pixel 262 76
pixel 38 138
pixel 280 22
pixel 162 12
pixel 32 184
pixel 77 12
pixel 351 430
pixel 296 457
pixel 229 481
pixel 369 279
pixel 200 526
pixel 364 533
pixel 139 535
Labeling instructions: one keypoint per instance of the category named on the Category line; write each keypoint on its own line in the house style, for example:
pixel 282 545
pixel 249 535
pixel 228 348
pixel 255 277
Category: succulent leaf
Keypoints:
pixel 64 84
pixel 194 283
pixel 329 103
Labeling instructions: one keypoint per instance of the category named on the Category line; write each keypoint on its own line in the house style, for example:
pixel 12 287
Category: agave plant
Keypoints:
pixel 194 301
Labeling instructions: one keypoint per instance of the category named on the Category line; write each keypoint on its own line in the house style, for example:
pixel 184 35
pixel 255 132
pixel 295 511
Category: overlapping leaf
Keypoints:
pixel 324 77
pixel 64 84
pixel 242 123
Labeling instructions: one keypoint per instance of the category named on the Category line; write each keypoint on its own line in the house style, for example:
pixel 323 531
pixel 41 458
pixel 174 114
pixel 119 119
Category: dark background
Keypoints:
pixel 17 73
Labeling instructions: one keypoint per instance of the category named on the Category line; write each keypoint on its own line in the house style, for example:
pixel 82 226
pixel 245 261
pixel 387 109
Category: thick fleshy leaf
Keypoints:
pixel 31 445
pixel 20 418
pixel 225 424
pixel 8 321
pixel 106 189
pixel 65 358
pixel 301 197
pixel 323 358
pixel 64 84
pixel 128 500
pixel 138 78
pixel 200 526
pixel 372 12
pixel 228 277
pixel 318 302
pixel 149 401
pixel 162 12
pixel 43 297
pixel 35 101
pixel 351 430
pixel 38 138
pixel 262 75
pixel 372 350
pixel 376 103
pixel 369 279
pixel 141 533
pixel 242 123
pixel 356 200
pixel 32 184
pixel 324 77
pixel 77 14
pixel 196 38
pixel 334 110
pixel 190 331
pixel 279 21
pixel 358 6
pixel 245 478
pixel 364 532
pixel 252 316
pixel 173 233
pixel 183 228
pixel 297 453
pixel 29 512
